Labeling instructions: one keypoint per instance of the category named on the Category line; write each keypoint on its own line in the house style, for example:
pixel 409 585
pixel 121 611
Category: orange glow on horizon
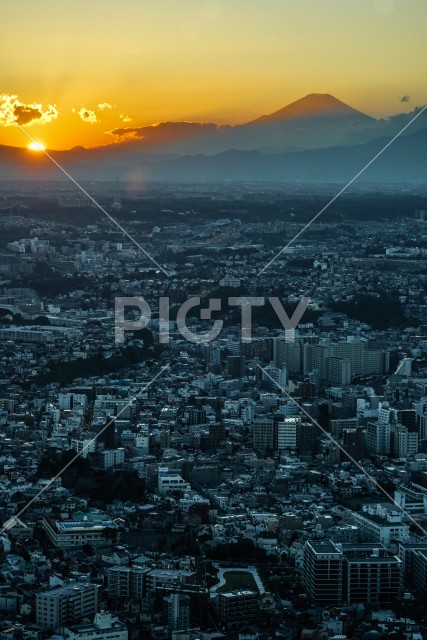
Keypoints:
pixel 200 61
pixel 36 146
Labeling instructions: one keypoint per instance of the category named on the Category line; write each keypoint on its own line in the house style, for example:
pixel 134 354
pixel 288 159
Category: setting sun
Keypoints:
pixel 36 146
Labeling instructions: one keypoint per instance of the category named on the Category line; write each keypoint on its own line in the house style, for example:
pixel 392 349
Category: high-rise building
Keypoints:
pixel 275 376
pixel 217 434
pixel 142 438
pixel 212 355
pixel 421 418
pixel 126 582
pixel 238 608
pixel 378 434
pixel 408 418
pixel 315 358
pixel 404 443
pixel 370 575
pixel 351 573
pixel 419 580
pixel 288 354
pixel 307 390
pixel 339 371
pixel 322 572
pixel 108 436
pixel 362 360
pixel 407 556
pixel 236 366
pixel 199 600
pixel 263 433
pixel 354 442
pixel 307 436
pixel 177 607
pixel 286 438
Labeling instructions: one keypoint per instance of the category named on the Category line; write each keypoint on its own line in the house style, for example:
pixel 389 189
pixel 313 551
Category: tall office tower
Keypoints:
pixel 419 577
pixel 286 434
pixel 322 572
pixel 217 434
pixel 307 437
pixel 263 433
pixel 236 366
pixel 176 609
pixel 408 418
pixel 108 436
pixel 354 443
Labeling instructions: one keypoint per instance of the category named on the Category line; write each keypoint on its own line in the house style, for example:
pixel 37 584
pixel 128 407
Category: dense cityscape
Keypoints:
pixel 267 484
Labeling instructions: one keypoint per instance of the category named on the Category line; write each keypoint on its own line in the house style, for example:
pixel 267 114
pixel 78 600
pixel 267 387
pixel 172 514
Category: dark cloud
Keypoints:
pixel 165 131
pixel 13 110
pixel 127 132
pixel 25 115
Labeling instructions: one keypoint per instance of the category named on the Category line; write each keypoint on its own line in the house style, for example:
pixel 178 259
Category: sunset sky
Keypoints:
pixel 224 61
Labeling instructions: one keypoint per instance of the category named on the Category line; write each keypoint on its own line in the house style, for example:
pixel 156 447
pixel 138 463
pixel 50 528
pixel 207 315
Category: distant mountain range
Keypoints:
pixel 315 139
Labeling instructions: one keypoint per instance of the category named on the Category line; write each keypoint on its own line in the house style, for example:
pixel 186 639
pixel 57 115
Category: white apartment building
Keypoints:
pixel 110 458
pixel 378 524
pixel 287 434
pixel 84 446
pixel 78 531
pixel 191 498
pixel 68 401
pixel 169 482
pixel 66 605
pixel 104 627
pixel 163 577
